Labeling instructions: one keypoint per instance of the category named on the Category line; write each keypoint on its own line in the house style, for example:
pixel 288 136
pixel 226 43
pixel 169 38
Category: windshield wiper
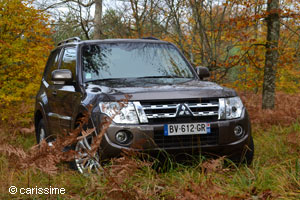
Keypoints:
pixel 113 79
pixel 161 77
pixel 104 79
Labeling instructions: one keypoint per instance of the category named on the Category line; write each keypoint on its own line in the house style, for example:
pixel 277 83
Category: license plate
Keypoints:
pixel 186 129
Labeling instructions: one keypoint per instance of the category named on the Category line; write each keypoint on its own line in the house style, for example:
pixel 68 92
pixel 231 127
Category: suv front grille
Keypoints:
pixel 181 112
pixel 163 141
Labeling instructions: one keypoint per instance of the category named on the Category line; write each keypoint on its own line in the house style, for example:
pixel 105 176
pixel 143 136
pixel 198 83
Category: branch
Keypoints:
pixel 243 55
pixel 55 5
pixel 290 28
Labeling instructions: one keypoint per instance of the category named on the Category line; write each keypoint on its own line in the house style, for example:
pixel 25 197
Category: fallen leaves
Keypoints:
pixel 205 190
pixel 213 165
pixel 121 170
pixel 27 130
pixel 286 110
pixel 294 138
pixel 293 141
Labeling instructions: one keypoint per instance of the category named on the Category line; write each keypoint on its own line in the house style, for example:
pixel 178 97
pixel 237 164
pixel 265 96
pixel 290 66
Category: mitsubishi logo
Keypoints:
pixel 183 110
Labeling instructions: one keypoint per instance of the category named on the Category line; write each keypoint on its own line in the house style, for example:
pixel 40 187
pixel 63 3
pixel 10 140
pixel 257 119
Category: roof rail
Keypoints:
pixel 150 38
pixel 75 39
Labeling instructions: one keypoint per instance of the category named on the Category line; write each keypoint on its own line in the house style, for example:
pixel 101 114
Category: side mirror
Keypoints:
pixel 202 72
pixel 61 76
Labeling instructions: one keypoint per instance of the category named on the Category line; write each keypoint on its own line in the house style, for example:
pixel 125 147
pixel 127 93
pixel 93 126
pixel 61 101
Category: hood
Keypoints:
pixel 187 90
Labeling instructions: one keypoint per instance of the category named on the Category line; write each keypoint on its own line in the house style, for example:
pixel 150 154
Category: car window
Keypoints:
pixel 69 60
pixel 52 64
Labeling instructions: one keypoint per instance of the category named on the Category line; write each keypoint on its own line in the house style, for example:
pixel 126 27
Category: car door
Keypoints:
pixel 50 102
pixel 67 97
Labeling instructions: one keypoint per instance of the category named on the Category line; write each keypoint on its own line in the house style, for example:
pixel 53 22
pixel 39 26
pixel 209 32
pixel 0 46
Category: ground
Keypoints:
pixel 274 174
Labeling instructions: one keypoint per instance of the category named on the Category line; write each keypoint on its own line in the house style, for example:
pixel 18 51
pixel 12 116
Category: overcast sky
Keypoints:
pixel 107 4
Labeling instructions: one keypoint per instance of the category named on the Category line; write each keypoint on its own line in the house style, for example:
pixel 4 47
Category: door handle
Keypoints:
pixel 54 93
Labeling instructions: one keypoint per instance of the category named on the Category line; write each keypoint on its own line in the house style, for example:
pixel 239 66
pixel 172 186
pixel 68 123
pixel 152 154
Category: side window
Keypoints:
pixel 69 60
pixel 52 64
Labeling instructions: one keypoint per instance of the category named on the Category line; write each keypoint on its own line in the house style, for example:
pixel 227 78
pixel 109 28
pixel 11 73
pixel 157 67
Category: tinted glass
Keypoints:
pixel 52 64
pixel 133 60
pixel 69 60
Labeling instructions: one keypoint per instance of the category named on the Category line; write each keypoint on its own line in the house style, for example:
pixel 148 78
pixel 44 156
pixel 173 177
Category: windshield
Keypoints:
pixel 133 60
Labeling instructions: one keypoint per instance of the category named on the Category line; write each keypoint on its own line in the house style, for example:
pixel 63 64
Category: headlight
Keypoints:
pixel 230 108
pixel 130 113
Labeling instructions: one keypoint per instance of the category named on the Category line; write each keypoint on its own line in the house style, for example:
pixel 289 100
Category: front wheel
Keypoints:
pixel 250 152
pixel 84 161
pixel 247 154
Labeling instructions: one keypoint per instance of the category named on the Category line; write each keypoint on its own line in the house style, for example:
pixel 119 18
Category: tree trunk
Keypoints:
pixel 98 19
pixel 271 57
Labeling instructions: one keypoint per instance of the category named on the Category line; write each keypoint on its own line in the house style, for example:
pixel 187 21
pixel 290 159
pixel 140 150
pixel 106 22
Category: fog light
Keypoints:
pixel 238 130
pixel 123 137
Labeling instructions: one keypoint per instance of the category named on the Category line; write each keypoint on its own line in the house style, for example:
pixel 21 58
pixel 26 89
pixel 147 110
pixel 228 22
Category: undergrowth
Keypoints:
pixel 285 113
pixel 274 173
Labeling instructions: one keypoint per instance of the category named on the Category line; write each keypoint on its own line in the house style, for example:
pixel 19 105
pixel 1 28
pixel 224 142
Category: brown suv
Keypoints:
pixel 171 107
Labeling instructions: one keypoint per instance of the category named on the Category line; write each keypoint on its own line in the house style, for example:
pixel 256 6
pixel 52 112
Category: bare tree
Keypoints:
pixel 138 13
pixel 77 10
pixel 176 13
pixel 209 24
pixel 273 25
pixel 98 19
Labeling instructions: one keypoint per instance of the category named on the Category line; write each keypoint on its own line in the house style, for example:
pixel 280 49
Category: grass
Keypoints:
pixel 274 174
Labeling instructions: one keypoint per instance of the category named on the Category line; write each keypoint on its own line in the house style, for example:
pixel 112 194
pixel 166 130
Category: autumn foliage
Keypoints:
pixel 24 48
pixel 228 36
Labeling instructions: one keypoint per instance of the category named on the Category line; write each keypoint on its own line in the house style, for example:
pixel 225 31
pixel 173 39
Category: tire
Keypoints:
pixel 84 163
pixel 246 155
pixel 249 152
pixel 41 132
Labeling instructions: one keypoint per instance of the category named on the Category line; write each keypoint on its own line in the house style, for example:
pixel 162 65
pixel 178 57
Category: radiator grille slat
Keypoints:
pixel 181 111
pixel 187 111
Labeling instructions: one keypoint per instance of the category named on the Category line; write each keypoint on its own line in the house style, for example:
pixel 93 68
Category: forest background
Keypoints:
pixel 250 45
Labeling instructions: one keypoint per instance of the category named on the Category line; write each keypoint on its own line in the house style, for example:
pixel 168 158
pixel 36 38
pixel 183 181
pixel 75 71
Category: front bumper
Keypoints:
pixel 145 139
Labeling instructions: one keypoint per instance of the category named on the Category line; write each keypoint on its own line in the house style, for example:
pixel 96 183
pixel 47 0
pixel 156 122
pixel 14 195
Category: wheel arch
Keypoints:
pixel 40 114
pixel 37 118
pixel 82 109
